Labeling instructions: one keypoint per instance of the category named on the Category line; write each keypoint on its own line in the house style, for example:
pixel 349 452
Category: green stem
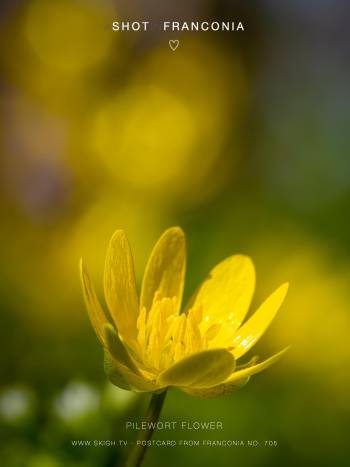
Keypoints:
pixel 138 452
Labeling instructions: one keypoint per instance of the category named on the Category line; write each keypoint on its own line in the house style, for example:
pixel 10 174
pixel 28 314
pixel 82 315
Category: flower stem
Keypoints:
pixel 138 452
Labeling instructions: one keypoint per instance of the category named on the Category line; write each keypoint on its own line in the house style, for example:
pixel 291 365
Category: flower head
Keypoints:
pixel 150 344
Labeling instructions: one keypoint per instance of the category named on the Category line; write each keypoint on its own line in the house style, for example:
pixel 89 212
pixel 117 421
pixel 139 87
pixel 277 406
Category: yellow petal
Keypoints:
pixel 253 361
pixel 215 391
pixel 252 370
pixel 165 270
pixel 124 378
pixel 237 380
pixel 248 334
pixel 227 291
pixel 120 285
pixel 117 348
pixel 96 314
pixel 201 369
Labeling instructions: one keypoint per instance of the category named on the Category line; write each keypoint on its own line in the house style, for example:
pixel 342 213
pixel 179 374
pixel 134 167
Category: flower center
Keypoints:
pixel 165 336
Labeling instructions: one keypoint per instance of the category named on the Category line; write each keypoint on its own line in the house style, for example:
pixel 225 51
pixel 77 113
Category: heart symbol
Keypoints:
pixel 174 44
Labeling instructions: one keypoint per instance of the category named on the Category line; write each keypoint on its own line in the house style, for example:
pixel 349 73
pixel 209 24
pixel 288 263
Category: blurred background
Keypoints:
pixel 240 138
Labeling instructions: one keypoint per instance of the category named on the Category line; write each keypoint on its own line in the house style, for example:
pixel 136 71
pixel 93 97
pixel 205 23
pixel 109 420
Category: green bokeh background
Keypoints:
pixel 242 139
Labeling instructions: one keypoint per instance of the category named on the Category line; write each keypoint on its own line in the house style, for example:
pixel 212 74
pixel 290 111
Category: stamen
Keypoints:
pixel 213 331
pixel 166 337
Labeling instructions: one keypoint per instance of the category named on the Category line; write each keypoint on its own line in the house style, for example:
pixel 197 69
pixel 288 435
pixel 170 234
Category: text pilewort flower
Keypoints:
pixel 150 345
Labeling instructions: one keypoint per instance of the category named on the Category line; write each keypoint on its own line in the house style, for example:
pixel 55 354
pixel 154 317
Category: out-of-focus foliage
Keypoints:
pixel 242 139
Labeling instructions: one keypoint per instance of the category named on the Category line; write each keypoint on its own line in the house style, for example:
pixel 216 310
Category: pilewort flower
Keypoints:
pixel 150 344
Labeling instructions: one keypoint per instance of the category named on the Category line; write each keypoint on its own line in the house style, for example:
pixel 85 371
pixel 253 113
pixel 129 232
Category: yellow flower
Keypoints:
pixel 150 345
